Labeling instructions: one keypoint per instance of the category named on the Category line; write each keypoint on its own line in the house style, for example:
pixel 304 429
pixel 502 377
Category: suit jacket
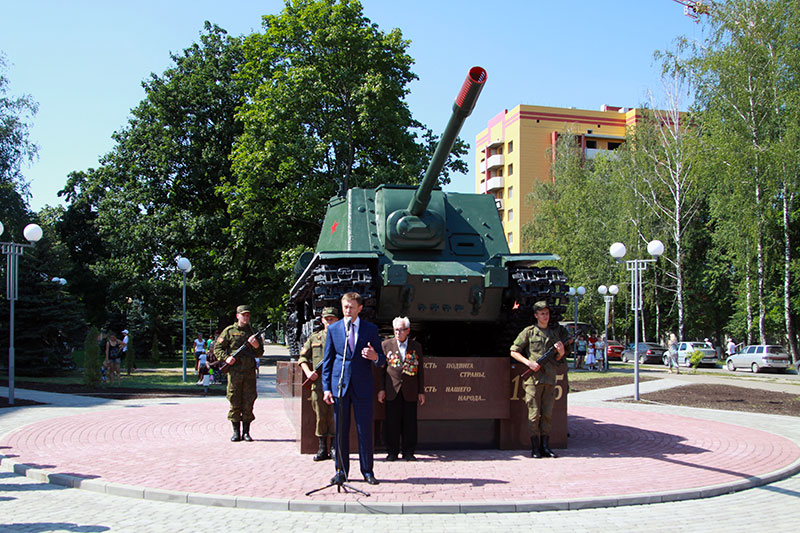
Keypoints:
pixel 355 371
pixel 393 377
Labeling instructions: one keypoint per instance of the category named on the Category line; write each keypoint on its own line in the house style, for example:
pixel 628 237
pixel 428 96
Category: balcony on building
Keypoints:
pixel 591 140
pixel 492 144
pixel 593 153
pixel 495 183
pixel 495 161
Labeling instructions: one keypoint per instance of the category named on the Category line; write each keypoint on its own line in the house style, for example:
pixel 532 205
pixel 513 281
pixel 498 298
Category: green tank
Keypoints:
pixel 441 259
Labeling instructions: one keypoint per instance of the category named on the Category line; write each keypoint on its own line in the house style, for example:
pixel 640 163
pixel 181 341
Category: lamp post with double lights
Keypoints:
pixel 608 294
pixel 185 266
pixel 13 251
pixel 61 282
pixel 636 266
pixel 576 293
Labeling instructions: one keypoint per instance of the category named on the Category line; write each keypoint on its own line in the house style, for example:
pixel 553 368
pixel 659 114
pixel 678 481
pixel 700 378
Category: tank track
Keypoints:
pixel 528 286
pixel 324 287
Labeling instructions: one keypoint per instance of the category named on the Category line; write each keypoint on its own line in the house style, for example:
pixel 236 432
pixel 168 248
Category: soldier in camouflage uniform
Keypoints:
pixel 242 373
pixel 311 359
pixel 540 388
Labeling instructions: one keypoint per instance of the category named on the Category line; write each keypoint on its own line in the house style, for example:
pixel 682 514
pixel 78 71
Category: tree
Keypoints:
pixel 577 215
pixel 91 358
pixel 746 74
pixel 325 112
pixel 15 145
pixel 52 319
pixel 663 146
pixel 156 196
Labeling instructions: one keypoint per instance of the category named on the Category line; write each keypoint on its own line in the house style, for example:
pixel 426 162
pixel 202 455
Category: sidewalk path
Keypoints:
pixel 619 454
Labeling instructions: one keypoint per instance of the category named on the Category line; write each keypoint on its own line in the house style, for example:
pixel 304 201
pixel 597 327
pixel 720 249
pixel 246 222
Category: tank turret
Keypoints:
pixel 416 226
pixel 439 258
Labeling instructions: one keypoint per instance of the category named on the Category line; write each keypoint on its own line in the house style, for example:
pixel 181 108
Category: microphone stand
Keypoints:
pixel 340 478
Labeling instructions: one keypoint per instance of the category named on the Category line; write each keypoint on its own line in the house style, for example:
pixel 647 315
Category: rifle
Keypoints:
pixel 310 381
pixel 548 356
pixel 243 350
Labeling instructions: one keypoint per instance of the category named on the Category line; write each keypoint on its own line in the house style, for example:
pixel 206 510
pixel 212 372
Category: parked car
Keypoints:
pixel 758 356
pixel 649 352
pixel 615 350
pixel 685 350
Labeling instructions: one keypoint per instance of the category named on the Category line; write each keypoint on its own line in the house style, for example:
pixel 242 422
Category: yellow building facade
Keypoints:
pixel 516 148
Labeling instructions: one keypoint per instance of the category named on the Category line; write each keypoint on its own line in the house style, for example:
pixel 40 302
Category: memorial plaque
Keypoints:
pixel 462 388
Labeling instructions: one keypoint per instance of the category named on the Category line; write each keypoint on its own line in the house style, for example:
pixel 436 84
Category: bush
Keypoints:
pixel 91 358
pixel 695 358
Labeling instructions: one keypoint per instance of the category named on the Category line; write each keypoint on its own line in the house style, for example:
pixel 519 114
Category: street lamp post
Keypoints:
pixel 576 293
pixel 61 282
pixel 13 251
pixel 636 267
pixel 185 266
pixel 608 295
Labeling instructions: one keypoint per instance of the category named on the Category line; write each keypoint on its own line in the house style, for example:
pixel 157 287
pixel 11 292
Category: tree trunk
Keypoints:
pixel 749 304
pixel 788 198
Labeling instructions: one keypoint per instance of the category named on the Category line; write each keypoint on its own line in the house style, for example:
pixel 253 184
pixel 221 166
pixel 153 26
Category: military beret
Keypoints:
pixel 243 309
pixel 541 304
pixel 329 311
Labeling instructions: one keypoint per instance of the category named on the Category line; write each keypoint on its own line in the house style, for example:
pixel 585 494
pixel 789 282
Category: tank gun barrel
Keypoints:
pixel 462 108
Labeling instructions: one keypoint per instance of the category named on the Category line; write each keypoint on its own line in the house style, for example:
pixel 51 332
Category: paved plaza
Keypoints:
pixel 166 465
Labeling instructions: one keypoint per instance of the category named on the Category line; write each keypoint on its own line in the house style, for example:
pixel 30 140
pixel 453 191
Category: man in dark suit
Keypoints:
pixel 352 347
pixel 402 386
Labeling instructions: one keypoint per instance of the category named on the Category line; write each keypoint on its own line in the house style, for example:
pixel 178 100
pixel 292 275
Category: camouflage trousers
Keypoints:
pixel 241 396
pixel 540 400
pixel 325 425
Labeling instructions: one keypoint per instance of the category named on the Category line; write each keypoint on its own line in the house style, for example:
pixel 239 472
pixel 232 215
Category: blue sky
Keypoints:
pixel 84 60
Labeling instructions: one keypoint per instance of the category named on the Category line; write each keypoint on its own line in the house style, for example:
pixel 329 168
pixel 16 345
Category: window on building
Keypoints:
pixel 510 146
pixel 510 215
pixel 591 144
pixel 510 169
pixel 510 192
pixel 499 173
pixel 613 145
pixel 510 238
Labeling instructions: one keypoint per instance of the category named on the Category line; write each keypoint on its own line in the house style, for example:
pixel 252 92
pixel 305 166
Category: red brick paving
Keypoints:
pixel 612 452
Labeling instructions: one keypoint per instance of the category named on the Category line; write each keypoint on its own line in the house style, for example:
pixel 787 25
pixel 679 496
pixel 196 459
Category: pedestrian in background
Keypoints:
pixel 673 354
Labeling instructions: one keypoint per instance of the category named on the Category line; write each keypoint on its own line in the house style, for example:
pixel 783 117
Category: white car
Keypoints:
pixel 759 356
pixel 686 349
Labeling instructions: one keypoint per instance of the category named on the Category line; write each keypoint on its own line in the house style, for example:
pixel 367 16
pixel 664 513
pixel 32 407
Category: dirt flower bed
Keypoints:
pixel 576 385
pixel 726 397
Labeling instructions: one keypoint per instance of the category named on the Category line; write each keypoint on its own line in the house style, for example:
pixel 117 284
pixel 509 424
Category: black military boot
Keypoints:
pixel 246 432
pixel 546 451
pixel 237 436
pixel 322 452
pixel 536 452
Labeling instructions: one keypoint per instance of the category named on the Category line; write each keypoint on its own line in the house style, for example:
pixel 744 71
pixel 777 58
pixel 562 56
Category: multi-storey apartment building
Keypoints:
pixel 516 149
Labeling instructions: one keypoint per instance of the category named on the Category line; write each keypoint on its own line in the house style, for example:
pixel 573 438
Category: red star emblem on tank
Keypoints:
pixel 333 227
